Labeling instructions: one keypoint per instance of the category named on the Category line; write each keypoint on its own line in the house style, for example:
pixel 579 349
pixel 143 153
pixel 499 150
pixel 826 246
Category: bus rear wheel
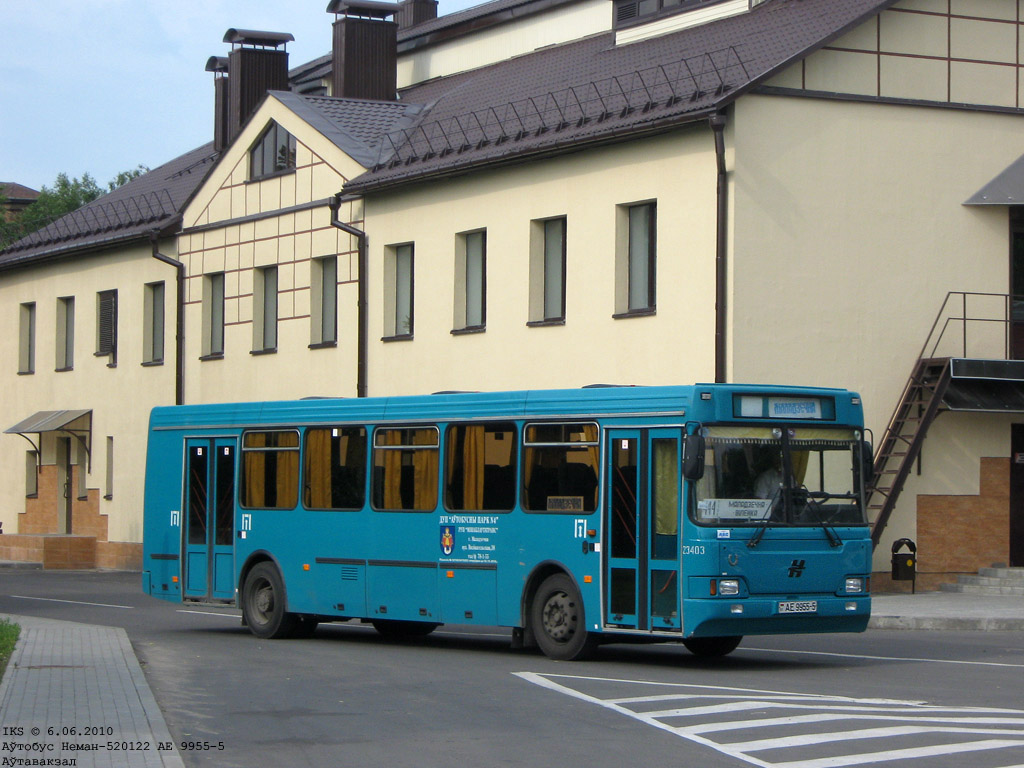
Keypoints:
pixel 710 647
pixel 263 603
pixel 559 624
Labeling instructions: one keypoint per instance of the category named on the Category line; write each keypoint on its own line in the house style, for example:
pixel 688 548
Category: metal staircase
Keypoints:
pixel 901 444
pixel 972 334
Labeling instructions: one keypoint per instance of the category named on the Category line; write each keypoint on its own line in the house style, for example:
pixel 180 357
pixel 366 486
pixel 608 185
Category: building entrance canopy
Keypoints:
pixel 77 423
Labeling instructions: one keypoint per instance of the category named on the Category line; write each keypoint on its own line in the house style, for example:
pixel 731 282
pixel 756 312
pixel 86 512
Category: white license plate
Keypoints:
pixel 799 606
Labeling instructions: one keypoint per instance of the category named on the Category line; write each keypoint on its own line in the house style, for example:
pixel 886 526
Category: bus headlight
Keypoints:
pixel 854 585
pixel 729 587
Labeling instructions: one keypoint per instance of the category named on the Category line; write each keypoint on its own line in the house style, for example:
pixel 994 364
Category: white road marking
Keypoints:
pixel 883 658
pixel 700 709
pixel 211 613
pixel 72 602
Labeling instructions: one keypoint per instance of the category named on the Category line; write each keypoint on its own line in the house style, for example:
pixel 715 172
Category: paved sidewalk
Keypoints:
pixel 76 692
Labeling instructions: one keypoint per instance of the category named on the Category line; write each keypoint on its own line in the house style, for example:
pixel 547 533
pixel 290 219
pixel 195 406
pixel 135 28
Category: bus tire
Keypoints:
pixel 711 647
pixel 558 621
pixel 398 629
pixel 263 603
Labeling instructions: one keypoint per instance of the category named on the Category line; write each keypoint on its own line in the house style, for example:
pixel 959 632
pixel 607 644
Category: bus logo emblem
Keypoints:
pixel 447 540
pixel 796 568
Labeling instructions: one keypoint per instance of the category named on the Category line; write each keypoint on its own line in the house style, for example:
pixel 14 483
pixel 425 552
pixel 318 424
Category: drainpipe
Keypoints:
pixel 717 122
pixel 179 331
pixel 361 304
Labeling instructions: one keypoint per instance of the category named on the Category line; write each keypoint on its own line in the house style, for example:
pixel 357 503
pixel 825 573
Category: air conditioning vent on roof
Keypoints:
pixel 624 11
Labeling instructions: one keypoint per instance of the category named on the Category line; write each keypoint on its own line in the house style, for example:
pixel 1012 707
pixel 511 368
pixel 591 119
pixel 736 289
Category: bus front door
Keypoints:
pixel 642 556
pixel 208 546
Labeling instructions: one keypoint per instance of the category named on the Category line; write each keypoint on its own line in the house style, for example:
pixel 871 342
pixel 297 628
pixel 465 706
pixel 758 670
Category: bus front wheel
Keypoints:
pixel 710 647
pixel 558 620
pixel 263 603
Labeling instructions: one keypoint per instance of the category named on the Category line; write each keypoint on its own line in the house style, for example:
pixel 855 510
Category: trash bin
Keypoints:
pixel 904 564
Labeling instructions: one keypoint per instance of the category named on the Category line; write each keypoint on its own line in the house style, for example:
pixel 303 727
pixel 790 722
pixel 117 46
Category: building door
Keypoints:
pixel 208 551
pixel 1017 495
pixel 1016 284
pixel 65 484
pixel 642 556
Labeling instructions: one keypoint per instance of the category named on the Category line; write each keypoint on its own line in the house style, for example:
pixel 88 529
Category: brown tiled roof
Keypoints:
pixel 17 192
pixel 591 90
pixel 149 204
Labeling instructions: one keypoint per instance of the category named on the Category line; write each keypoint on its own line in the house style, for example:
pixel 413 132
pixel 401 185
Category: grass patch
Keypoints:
pixel 8 637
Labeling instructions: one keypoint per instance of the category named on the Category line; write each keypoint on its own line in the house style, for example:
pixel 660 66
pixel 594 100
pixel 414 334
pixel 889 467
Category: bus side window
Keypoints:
pixel 335 468
pixel 560 467
pixel 405 468
pixel 270 469
pixel 480 467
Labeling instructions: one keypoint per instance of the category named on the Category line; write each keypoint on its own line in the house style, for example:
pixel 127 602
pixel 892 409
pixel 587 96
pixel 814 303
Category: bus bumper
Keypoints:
pixel 721 617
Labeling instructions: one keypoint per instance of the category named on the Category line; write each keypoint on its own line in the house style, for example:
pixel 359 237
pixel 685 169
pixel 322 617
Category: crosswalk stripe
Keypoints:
pixel 901 754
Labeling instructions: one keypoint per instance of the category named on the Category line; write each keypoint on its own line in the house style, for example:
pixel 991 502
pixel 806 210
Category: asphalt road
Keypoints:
pixel 347 697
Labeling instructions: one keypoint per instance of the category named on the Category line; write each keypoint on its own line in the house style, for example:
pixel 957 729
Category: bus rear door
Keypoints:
pixel 642 522
pixel 208 536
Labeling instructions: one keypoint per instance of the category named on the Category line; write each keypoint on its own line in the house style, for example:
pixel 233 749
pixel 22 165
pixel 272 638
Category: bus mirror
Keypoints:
pixel 693 457
pixel 868 462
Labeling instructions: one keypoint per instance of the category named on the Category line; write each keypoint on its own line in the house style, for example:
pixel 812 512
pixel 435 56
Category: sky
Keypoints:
pixel 103 86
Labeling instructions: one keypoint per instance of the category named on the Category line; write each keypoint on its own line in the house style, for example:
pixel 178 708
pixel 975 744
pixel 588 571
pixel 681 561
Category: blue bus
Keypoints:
pixel 696 514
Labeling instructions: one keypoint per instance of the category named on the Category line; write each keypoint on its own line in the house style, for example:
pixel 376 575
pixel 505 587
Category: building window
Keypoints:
pixel 153 323
pixel 335 473
pixel 471 281
pixel 324 315
pixel 264 321
pixel 106 326
pixel 270 469
pixel 398 291
pixel 273 152
pixel 628 12
pixel 31 474
pixel 547 271
pixel 66 333
pixel 213 315
pixel 27 338
pixel 635 259
pixel 109 494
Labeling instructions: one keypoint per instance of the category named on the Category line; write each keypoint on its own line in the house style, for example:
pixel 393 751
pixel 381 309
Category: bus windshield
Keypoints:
pixel 798 476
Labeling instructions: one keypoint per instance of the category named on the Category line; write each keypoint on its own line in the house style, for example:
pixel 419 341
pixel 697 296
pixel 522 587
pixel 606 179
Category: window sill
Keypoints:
pixel 214 356
pixel 64 370
pixel 646 312
pixel 542 323
pixel 26 373
pixel 154 363
pixel 468 330
pixel 267 351
pixel 324 345
pixel 403 337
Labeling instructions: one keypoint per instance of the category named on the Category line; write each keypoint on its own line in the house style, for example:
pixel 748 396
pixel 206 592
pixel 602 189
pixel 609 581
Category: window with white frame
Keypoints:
pixel 470 281
pixel 213 315
pixel 153 324
pixel 324 314
pixel 547 271
pixel 264 321
pixel 65 342
pixel 27 338
pixel 398 291
pixel 635 259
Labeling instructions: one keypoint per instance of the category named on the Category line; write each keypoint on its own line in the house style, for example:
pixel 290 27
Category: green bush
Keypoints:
pixel 8 637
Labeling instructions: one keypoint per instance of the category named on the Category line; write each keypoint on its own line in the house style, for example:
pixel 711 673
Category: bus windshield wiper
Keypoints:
pixel 759 533
pixel 815 506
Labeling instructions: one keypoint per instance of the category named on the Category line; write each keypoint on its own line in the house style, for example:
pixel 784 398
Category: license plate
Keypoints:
pixel 799 606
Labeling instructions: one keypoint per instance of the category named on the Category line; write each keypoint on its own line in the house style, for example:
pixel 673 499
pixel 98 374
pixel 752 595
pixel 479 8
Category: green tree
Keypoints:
pixel 66 195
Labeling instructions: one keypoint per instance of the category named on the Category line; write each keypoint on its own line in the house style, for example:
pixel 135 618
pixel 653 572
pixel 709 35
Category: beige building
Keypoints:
pixel 582 191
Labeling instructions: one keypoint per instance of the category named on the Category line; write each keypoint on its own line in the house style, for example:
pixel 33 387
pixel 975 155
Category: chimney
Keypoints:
pixel 413 12
pixel 219 66
pixel 255 66
pixel 365 52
